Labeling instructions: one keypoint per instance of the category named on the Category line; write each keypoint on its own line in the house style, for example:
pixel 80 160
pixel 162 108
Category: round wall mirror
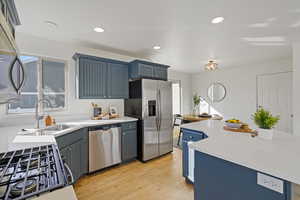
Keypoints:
pixel 216 92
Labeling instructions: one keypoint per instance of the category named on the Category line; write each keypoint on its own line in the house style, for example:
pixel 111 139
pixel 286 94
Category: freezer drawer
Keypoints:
pixel 104 148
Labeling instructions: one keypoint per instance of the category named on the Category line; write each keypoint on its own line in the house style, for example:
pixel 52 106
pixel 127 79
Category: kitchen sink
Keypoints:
pixel 51 130
pixel 57 127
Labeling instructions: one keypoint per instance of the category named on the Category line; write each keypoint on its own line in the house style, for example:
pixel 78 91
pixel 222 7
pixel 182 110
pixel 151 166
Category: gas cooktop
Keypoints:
pixel 30 172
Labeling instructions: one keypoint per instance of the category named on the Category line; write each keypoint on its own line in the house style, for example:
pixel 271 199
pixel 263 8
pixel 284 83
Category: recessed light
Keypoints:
pixel 99 30
pixel 156 47
pixel 51 23
pixel 217 20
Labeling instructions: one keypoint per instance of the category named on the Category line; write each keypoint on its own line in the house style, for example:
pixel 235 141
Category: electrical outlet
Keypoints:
pixel 270 182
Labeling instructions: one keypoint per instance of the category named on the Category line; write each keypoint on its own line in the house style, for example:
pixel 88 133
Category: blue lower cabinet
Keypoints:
pixel 185 157
pixel 217 179
pixel 74 151
pixel 188 136
pixel 129 141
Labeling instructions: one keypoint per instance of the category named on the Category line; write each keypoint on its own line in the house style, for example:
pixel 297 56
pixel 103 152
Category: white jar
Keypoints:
pixel 266 133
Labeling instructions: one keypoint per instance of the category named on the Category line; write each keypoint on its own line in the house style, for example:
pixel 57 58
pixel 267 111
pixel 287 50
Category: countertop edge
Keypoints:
pixel 206 146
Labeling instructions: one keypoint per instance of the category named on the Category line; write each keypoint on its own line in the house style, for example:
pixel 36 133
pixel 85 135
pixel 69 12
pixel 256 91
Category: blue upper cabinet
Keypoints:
pixel 92 79
pixel 117 81
pixel 101 78
pixel 143 69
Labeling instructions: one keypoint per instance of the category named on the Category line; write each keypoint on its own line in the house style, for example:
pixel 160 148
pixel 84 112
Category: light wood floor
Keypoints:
pixel 159 179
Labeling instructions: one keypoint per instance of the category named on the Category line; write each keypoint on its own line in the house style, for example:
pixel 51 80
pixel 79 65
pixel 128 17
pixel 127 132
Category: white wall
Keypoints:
pixel 240 84
pixel 41 47
pixel 296 89
pixel 186 87
pixel 76 109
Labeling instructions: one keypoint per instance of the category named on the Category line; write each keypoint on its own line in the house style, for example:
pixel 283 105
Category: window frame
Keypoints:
pixel 40 90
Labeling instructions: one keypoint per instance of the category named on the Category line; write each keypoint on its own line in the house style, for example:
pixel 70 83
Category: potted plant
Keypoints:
pixel 266 122
pixel 196 101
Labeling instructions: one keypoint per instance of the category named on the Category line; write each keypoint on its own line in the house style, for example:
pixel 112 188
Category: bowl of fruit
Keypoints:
pixel 233 123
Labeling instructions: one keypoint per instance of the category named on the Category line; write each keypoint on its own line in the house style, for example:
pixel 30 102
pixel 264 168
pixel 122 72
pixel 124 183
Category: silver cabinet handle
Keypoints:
pixel 157 111
pixel 159 96
pixel 70 174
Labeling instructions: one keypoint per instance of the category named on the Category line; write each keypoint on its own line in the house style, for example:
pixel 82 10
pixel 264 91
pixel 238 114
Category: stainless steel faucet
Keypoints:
pixel 39 117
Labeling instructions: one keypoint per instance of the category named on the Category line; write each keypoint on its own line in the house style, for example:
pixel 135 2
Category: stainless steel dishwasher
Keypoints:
pixel 104 147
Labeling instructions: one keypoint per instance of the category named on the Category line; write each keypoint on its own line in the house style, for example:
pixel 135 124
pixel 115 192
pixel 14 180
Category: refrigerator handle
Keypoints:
pixel 157 111
pixel 159 114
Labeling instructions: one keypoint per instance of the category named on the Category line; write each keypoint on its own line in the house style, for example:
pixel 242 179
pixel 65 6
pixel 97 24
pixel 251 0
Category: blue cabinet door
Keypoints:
pixel 188 136
pixel 76 159
pixel 185 160
pixel 161 73
pixel 129 141
pixel 118 83
pixel 74 151
pixel 92 79
pixel 129 145
pixel 101 78
pixel 73 158
pixel 219 179
pixel 145 71
pixel 65 155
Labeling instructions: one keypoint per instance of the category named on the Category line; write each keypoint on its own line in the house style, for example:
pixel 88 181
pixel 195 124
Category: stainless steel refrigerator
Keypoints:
pixel 151 102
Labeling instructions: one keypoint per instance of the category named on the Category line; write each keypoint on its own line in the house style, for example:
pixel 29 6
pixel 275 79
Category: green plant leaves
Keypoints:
pixel 196 99
pixel 264 119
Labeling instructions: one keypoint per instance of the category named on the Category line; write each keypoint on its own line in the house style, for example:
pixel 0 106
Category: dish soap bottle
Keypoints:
pixel 48 121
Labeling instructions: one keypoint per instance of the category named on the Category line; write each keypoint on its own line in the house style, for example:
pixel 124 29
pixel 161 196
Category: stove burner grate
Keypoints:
pixel 29 187
pixel 30 172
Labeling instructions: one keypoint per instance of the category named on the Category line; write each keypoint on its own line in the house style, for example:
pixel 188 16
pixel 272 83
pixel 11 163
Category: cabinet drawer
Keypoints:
pixel 129 125
pixel 189 135
pixel 70 138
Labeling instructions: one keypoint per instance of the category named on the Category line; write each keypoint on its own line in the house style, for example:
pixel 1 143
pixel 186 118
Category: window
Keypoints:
pixel 45 79
pixel 206 107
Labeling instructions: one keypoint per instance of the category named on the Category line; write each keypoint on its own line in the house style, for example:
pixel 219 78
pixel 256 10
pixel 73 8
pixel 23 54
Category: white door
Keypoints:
pixel 274 93
pixel 176 97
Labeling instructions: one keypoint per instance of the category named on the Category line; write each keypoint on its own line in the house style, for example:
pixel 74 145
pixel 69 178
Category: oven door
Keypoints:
pixel 11 68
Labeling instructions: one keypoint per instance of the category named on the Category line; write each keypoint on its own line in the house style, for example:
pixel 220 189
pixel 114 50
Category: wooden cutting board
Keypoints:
pixel 193 118
pixel 240 130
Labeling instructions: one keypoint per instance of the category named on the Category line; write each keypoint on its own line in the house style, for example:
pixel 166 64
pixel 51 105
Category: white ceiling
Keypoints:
pixel 253 30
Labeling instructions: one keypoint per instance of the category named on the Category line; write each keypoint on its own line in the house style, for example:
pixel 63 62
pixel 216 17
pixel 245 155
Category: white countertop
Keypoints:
pixel 278 157
pixel 66 193
pixel 27 141
pixel 89 123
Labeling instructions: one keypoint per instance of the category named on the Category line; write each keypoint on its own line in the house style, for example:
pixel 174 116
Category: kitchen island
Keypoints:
pixel 237 166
